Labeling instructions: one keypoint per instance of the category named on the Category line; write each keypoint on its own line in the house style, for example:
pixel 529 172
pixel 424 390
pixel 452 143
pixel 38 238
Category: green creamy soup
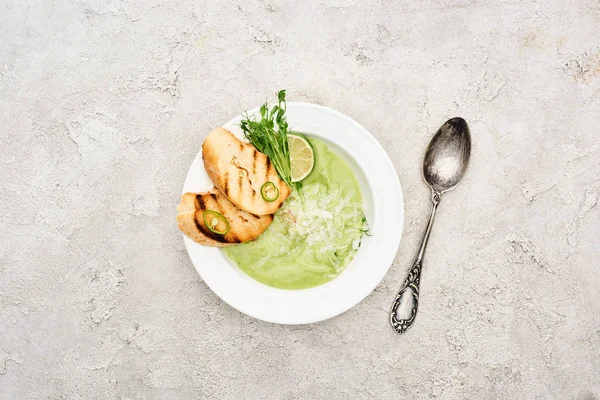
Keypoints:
pixel 314 235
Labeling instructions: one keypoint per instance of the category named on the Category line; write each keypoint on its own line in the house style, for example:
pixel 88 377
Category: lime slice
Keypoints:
pixel 302 156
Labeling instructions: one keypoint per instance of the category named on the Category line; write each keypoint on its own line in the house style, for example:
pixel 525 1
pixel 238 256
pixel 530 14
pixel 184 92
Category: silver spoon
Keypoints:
pixel 444 165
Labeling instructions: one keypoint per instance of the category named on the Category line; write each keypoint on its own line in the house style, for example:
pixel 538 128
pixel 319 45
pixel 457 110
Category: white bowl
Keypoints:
pixel 383 205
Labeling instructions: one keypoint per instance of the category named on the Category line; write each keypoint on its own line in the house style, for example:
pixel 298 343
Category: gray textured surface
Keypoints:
pixel 105 103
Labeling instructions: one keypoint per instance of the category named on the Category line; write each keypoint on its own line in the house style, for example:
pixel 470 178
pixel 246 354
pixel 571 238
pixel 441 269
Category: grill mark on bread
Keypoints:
pixel 226 183
pixel 247 175
pixel 251 186
pixel 201 205
pixel 254 156
pixel 268 168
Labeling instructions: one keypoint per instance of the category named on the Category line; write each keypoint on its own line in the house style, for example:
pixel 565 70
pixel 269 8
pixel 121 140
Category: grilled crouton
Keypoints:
pixel 243 226
pixel 239 171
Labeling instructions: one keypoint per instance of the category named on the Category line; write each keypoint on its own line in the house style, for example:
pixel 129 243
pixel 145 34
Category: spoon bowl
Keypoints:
pixel 447 156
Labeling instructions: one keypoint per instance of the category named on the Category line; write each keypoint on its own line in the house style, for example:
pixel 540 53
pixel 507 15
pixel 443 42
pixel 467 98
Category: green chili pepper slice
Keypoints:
pixel 269 192
pixel 212 220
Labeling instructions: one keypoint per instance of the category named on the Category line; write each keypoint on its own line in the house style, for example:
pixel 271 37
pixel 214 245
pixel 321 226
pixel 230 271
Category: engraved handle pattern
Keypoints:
pixel 405 305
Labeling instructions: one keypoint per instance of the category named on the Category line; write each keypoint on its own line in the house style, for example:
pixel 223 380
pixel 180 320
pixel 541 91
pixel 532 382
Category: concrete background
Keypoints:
pixel 104 104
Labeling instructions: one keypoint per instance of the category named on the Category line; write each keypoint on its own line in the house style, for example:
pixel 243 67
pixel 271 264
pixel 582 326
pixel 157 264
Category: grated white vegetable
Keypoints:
pixel 330 224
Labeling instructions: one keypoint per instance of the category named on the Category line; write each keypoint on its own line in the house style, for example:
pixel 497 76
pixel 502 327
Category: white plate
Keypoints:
pixel 384 208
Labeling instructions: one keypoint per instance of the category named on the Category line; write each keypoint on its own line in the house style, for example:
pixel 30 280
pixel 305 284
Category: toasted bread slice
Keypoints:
pixel 239 171
pixel 243 226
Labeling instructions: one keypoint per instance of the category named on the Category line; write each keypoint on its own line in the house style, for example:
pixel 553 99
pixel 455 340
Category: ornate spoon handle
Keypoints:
pixel 408 298
pixel 406 303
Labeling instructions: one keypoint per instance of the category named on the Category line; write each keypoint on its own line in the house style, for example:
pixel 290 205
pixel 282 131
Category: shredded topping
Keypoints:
pixel 330 224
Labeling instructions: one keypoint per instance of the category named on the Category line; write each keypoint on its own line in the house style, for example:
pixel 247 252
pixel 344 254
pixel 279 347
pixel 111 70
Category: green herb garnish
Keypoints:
pixel 366 230
pixel 269 136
